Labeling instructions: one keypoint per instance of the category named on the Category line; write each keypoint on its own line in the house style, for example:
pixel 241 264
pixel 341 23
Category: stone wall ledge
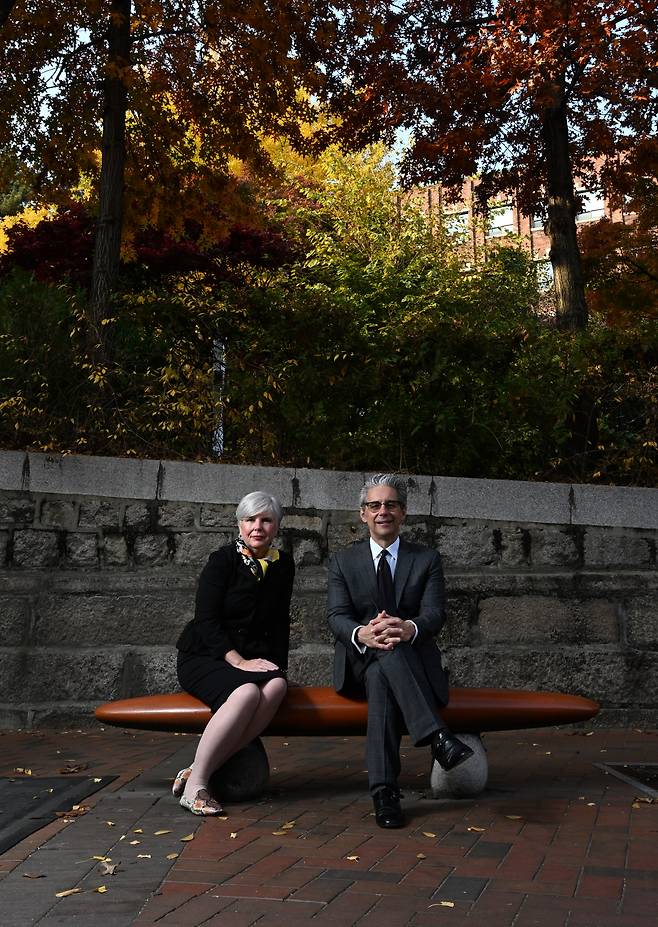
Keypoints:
pixel 305 489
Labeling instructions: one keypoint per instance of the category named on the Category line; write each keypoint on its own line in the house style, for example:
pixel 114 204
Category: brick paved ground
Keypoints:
pixel 553 842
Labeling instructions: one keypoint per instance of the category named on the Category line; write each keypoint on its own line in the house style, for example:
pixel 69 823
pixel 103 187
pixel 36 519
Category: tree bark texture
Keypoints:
pixel 561 221
pixel 107 250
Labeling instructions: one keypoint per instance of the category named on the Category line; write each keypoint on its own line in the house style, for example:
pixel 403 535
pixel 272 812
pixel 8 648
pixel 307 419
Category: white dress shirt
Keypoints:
pixel 376 552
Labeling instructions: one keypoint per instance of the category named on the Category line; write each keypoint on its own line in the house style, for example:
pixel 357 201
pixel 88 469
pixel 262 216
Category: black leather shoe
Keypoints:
pixel 448 751
pixel 388 812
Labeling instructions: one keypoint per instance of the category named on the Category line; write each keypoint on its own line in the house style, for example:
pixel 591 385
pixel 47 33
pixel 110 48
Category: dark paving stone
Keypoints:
pixel 460 888
pixel 489 850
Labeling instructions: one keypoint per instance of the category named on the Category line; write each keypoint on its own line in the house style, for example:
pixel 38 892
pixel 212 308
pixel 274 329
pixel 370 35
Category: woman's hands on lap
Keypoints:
pixel 257 665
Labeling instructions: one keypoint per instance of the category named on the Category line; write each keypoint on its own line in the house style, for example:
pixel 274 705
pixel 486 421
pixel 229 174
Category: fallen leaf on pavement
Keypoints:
pixel 68 891
pixel 75 812
pixel 233 835
pixel 428 833
pixel 186 839
pixel 22 771
pixel 101 889
pixel 353 858
pixel 107 868
pixel 34 875
pixel 288 825
pixel 442 904
pixel 143 856
pixel 420 856
pixel 277 833
pixel 172 855
pixel 476 830
pixel 109 823
pixel 138 830
pixel 73 767
pixel 159 833
pixel 135 843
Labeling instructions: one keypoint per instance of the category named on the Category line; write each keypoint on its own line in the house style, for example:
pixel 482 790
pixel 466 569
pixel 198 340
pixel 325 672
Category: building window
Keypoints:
pixel 537 223
pixel 456 223
pixel 592 206
pixel 501 220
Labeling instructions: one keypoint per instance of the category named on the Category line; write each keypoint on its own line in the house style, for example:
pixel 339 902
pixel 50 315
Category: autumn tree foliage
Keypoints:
pixel 168 92
pixel 621 258
pixel 525 95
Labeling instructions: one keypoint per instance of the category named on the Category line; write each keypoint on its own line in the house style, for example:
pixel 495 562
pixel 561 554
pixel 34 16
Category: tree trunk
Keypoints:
pixel 561 221
pixel 107 250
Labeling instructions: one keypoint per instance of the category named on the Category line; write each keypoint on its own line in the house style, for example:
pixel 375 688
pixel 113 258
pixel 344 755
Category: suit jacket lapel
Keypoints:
pixel 366 567
pixel 402 570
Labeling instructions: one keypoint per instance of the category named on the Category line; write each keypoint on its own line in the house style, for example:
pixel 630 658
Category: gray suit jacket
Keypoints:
pixel 420 596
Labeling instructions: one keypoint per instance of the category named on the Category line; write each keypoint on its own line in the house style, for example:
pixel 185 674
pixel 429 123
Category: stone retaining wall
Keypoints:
pixel 550 586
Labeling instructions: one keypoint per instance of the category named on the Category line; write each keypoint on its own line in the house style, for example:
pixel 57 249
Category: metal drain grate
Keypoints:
pixel 642 776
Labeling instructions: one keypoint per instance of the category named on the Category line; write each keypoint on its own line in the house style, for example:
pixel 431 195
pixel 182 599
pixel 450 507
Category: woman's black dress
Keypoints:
pixel 235 611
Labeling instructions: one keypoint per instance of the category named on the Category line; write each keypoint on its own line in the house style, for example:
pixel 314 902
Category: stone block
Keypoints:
pixel 154 671
pixel 66 717
pixel 95 513
pixel 100 620
pixel 56 675
pixel 623 506
pixel 555 546
pixel 642 621
pixel 16 510
pixel 341 534
pixel 152 550
pixel 308 621
pixel 311 665
pixel 218 516
pixel 82 550
pixel 466 546
pixel 33 548
pixel 306 551
pixel 512 545
pixel 59 513
pixel 114 550
pixel 222 483
pixel 138 515
pixel 194 549
pixel 14 719
pixel 418 532
pixel 613 547
pixel 608 676
pixel 14 621
pixel 312 579
pixel 456 631
pixel 529 619
pixel 120 477
pixel 176 515
pixel 314 524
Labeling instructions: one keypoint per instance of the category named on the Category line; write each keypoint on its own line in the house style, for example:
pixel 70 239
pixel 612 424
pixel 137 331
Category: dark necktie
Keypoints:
pixel 385 590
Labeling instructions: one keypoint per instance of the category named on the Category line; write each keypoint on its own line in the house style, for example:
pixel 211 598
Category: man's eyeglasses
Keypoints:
pixel 390 505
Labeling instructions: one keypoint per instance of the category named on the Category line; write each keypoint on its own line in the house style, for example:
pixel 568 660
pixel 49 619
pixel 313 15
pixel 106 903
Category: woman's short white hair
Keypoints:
pixel 258 503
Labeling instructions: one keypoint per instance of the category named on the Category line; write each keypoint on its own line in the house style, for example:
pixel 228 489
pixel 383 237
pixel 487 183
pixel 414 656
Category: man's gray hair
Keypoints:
pixel 397 483
pixel 257 503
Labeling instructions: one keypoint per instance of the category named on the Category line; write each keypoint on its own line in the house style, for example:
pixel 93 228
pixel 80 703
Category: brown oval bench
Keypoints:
pixel 312 710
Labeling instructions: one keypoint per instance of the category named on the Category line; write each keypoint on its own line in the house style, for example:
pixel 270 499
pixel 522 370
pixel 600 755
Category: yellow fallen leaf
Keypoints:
pixel 109 823
pixel 172 855
pixel 135 843
pixel 277 833
pixel 23 770
pixel 101 889
pixel 97 779
pixel 420 856
pixel 108 868
pixel 159 833
pixel 143 856
pixel 353 858
pixel 233 835
pixel 68 891
pixel 138 830
pixel 428 833
pixel 288 825
pixel 476 830
pixel 185 839
pixel 445 904
pixel 103 859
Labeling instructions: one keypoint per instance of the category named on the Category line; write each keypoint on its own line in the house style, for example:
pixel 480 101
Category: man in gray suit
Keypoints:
pixel 386 603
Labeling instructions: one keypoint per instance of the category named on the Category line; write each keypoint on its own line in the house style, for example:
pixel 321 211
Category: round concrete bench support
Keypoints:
pixel 244 776
pixel 466 780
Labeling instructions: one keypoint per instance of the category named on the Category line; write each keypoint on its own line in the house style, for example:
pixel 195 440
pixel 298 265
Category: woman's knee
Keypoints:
pixel 275 689
pixel 247 694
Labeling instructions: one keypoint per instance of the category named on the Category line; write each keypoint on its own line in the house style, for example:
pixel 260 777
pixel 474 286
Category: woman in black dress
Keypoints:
pixel 233 654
